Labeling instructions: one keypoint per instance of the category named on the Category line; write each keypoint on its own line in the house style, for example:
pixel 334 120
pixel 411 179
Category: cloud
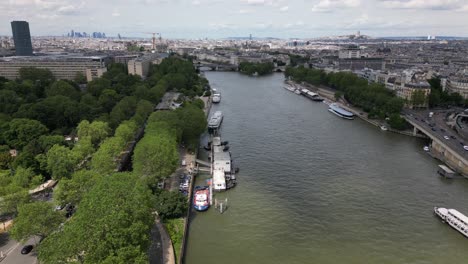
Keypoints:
pixel 284 9
pixel 330 5
pixel 426 4
pixel 115 13
pixel 245 11
pixel 263 2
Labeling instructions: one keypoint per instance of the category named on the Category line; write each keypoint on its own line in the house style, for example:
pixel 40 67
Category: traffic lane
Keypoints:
pixel 452 143
pixel 6 244
pixel 15 256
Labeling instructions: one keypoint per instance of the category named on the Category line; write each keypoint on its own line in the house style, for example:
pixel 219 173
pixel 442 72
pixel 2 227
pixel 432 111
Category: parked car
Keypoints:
pixel 443 130
pixel 452 137
pixel 26 249
pixel 433 129
pixel 446 137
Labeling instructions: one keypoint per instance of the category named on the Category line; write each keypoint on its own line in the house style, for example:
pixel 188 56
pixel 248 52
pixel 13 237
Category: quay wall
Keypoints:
pixel 330 95
pixel 192 183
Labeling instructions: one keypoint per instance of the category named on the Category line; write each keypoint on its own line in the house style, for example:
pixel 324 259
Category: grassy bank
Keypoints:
pixel 175 228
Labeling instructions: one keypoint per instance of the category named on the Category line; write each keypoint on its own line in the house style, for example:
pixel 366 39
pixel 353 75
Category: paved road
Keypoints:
pixel 438 128
pixel 12 250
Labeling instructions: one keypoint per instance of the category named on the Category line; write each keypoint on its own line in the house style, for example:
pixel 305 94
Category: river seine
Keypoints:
pixel 315 188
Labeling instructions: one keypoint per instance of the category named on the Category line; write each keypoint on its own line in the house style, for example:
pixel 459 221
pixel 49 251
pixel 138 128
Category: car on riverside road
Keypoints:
pixel 465 148
pixel 26 249
pixel 446 137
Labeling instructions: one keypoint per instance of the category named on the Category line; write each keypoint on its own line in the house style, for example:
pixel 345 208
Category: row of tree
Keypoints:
pixel 252 68
pixel 373 98
pixel 441 98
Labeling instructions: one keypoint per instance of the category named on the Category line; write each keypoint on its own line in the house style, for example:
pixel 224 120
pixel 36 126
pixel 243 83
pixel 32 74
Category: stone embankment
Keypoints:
pixel 329 94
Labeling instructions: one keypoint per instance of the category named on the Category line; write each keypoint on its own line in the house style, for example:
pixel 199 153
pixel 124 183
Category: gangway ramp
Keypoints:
pixel 204 163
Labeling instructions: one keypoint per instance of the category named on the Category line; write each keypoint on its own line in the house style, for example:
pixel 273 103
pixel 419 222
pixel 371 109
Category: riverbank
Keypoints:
pixel 190 159
pixel 329 94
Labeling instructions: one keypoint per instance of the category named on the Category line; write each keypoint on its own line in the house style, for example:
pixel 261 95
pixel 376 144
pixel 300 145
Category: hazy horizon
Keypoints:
pixel 195 19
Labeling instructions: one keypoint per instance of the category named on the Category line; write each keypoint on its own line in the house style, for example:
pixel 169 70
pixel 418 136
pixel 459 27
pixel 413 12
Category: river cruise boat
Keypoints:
pixel 445 171
pixel 215 120
pixel 201 198
pixel 289 88
pixel 454 218
pixel 216 98
pixel 335 109
pixel 313 96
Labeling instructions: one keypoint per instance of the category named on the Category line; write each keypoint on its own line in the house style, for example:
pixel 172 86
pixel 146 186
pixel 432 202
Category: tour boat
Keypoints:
pixel 454 218
pixel 201 198
pixel 297 91
pixel 289 88
pixel 335 109
pixel 215 120
pixel 216 98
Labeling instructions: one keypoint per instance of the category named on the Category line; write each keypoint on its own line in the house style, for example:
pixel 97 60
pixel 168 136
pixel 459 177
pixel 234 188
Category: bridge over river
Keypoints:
pixel 446 144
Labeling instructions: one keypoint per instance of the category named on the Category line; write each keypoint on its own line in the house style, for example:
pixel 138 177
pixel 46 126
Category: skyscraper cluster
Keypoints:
pixel 74 34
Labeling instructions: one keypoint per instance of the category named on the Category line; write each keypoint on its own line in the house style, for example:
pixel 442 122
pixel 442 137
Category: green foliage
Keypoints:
pixel 418 98
pixel 126 130
pixel 251 68
pixel 199 103
pixel 397 122
pixel 193 123
pixel 60 162
pixel 80 78
pixel 175 228
pixel 5 160
pixel 373 98
pixel 443 98
pixel 105 159
pixel 43 76
pixel 155 157
pixel 12 198
pixel 123 110
pixel 171 205
pixel 96 131
pixel 21 131
pixel 35 219
pixel 23 177
pixel 117 210
pixel 71 191
pixel 63 88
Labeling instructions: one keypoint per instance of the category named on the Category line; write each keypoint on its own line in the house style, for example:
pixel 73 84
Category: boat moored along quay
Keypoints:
pixel 454 218
pixel 215 121
pixel 335 109
pixel 222 169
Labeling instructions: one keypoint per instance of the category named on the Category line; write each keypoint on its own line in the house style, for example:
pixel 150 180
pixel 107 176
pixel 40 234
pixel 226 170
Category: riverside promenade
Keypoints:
pixel 329 94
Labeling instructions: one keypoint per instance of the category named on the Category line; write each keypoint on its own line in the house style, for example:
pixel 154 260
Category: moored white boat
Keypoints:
pixel 289 88
pixel 454 218
pixel 215 120
pixel 335 109
pixel 384 128
pixel 426 148
pixel 216 98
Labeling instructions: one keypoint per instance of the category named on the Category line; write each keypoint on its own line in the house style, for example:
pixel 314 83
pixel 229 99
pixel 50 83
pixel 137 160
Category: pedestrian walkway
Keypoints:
pixel 166 244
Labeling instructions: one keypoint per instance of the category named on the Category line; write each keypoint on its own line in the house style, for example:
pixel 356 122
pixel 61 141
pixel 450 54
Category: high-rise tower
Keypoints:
pixel 22 38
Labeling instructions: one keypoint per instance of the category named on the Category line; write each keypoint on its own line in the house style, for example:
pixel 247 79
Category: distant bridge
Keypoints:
pixel 210 66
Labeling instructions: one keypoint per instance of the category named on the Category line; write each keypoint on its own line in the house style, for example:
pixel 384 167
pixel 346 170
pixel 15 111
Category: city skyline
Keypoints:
pixel 234 18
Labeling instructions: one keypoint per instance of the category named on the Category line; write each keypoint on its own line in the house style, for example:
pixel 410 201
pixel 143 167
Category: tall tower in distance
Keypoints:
pixel 22 38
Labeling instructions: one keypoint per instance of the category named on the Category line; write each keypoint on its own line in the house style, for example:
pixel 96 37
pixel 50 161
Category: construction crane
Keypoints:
pixel 154 38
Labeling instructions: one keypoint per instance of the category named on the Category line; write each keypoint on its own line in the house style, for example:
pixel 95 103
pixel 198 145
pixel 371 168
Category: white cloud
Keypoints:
pixel 245 11
pixel 263 2
pixel 330 5
pixel 115 13
pixel 284 9
pixel 426 4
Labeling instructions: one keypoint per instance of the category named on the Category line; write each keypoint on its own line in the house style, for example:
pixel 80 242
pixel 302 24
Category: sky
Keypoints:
pixel 193 19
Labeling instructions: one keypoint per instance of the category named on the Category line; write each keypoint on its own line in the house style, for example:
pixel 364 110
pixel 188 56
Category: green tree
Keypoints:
pixel 418 98
pixel 63 88
pixel 193 123
pixel 10 203
pixel 35 219
pixel 106 157
pixel 60 162
pixel 171 205
pixel 23 177
pixel 43 76
pixel 156 157
pixel 397 122
pixel 120 207
pixel 97 131
pixel 126 130
pixel 21 131
pixel 72 190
